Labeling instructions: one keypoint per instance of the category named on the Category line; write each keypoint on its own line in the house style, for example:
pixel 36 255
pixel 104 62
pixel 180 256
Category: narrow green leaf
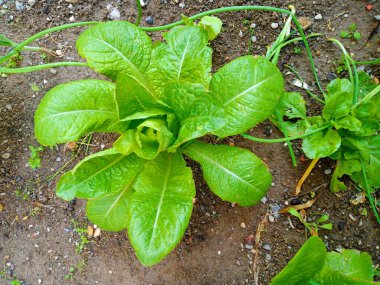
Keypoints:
pixel 197 109
pixel 234 174
pixel 98 175
pixel 249 89
pixel 304 265
pixel 160 209
pixel 184 58
pixel 110 212
pixel 110 54
pixel 338 99
pixel 321 144
pixel 70 110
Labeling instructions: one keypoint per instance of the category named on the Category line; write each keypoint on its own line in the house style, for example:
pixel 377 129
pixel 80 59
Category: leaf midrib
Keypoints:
pixel 78 111
pixel 227 170
pixel 164 189
pixel 183 58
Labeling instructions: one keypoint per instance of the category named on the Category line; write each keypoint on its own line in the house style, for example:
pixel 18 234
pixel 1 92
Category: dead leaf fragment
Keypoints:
pixel 359 199
pixel 97 233
pixel 305 22
pixel 90 231
pixel 306 205
pixel 1 207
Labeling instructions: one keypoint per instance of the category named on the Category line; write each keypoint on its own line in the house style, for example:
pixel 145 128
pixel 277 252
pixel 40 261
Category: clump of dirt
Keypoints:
pixel 40 233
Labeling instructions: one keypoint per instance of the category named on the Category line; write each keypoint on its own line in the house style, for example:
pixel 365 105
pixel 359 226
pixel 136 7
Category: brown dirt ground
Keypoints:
pixel 42 247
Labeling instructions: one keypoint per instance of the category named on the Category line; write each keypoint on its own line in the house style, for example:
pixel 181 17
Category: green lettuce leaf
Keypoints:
pixel 349 122
pixel 110 212
pixel 343 167
pixel 103 173
pixel 109 53
pixel 212 25
pixel 197 109
pixel 350 267
pixel 135 98
pixel 160 208
pixel 338 99
pixel 321 144
pixel 70 110
pixel 234 174
pixel 184 58
pixel 304 265
pixel 249 89
pixel 292 105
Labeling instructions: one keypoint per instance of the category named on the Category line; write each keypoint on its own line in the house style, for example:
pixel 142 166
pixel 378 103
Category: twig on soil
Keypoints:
pixel 260 229
pixel 305 175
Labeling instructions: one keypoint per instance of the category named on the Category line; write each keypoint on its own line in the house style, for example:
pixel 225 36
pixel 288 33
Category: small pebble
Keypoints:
pixel 248 246
pixel 31 3
pixel 72 19
pixel 19 6
pixel 114 14
pixel 182 5
pixel 253 25
pixel 58 159
pixel 97 233
pixel 331 76
pixel 271 218
pixel 254 39
pixel 219 252
pixel 318 17
pixel 149 20
pixel 241 34
pixel 266 246
pixel 242 225
pixel 53 71
pixel 295 201
pixel 250 239
pixel 328 171
pixel 39 281
pixel 264 200
pixel 268 257
pixel 6 155
pixel 341 226
pixel 274 25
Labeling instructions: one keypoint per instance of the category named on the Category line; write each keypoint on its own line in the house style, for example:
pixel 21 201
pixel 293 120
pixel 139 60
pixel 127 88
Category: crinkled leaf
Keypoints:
pixel 366 84
pixel 234 174
pixel 338 99
pixel 349 122
pixel 110 212
pixel 292 105
pixel 321 144
pixel 185 58
pixel 109 53
pixel 212 25
pixel 70 110
pixel 147 140
pixel 98 175
pixel 135 98
pixel 350 267
pixel 295 129
pixel 197 109
pixel 343 167
pixel 304 265
pixel 373 162
pixel 160 209
pixel 249 89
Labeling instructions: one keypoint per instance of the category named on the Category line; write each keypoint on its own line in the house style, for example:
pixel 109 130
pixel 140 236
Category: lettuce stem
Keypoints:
pixel 280 140
pixel 40 67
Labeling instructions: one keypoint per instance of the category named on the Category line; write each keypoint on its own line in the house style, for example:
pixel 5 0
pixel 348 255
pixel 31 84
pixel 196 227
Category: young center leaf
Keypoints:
pixel 197 109
pixel 103 173
pixel 70 110
pixel 185 58
pixel 338 99
pixel 110 212
pixel 292 105
pixel 304 265
pixel 234 174
pixel 321 144
pixel 112 47
pixel 249 89
pixel 159 210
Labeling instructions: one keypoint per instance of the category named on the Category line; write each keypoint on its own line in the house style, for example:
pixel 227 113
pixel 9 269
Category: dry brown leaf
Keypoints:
pixel 306 205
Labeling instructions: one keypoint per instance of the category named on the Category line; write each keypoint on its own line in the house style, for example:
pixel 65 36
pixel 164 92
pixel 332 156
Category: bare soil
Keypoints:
pixel 39 246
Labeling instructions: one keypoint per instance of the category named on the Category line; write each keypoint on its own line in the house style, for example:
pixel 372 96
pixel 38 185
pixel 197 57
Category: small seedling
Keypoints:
pixel 34 87
pixel 82 233
pixel 313 227
pixel 24 195
pixel 352 33
pixel 70 275
pixel 34 212
pixel 34 160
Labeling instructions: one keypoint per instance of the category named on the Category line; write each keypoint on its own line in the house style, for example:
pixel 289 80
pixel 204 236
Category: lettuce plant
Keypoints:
pixel 313 265
pixel 160 98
